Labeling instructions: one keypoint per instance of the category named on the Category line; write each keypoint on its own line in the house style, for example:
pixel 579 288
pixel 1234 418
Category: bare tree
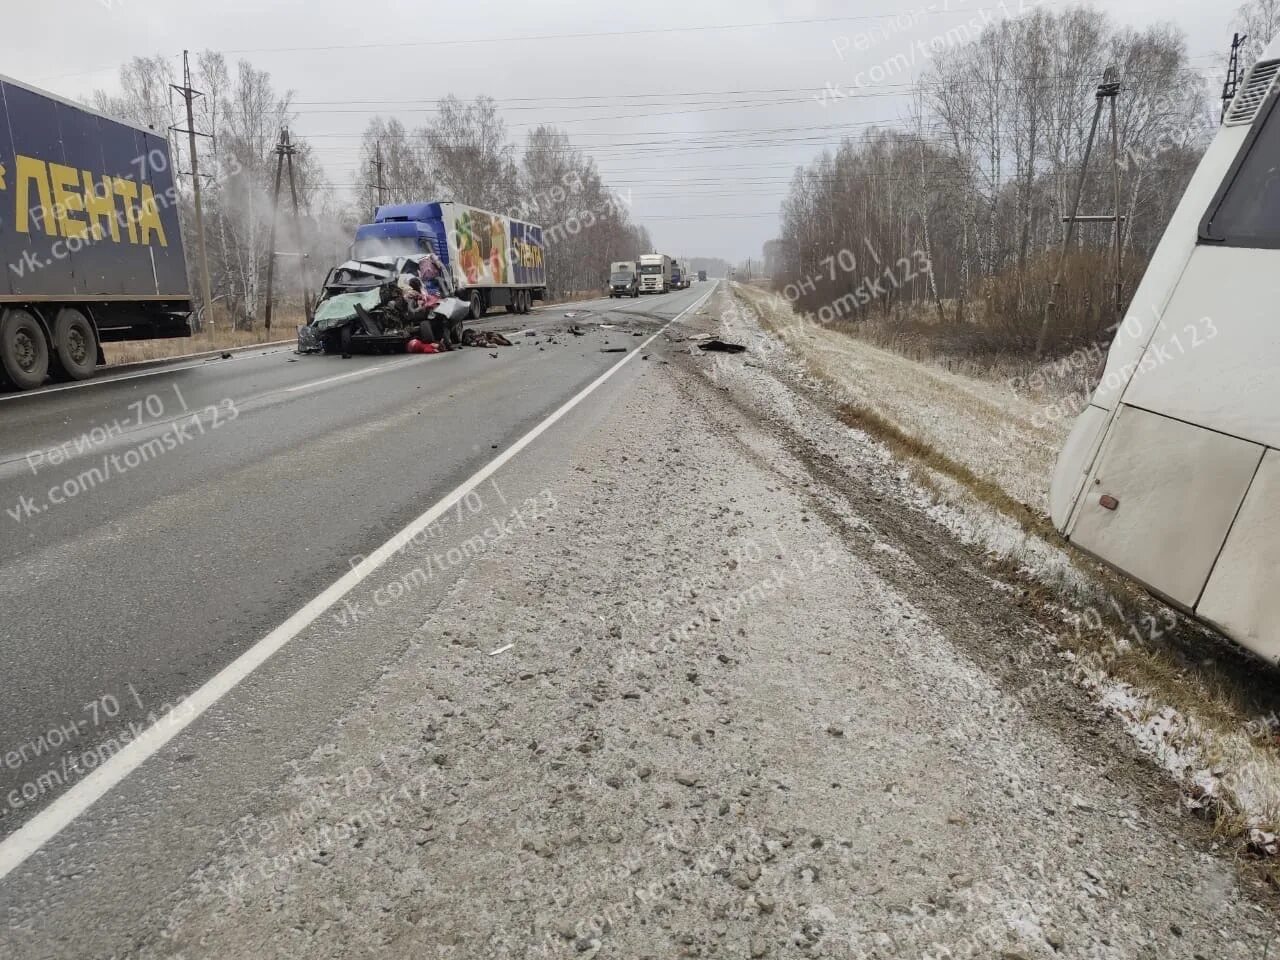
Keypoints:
pixel 144 97
pixel 469 155
pixel 404 175
pixel 1260 19
pixel 976 184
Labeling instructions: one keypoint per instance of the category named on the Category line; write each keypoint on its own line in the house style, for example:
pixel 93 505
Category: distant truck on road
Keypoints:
pixel 702 276
pixel 655 273
pixel 89 237
pixel 624 279
pixel 677 275
pixel 495 261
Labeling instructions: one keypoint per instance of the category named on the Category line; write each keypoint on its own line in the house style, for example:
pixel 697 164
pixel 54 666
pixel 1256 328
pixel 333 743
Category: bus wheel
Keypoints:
pixel 24 352
pixel 74 344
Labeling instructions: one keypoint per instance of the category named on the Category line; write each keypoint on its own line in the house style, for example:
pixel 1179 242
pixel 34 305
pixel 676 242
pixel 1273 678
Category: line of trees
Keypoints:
pixel 978 180
pixel 463 154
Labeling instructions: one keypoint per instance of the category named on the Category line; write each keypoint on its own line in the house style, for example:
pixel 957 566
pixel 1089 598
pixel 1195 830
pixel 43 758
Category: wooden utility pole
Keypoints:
pixel 297 232
pixel 284 155
pixel 1107 90
pixel 189 95
pixel 1119 234
pixel 377 163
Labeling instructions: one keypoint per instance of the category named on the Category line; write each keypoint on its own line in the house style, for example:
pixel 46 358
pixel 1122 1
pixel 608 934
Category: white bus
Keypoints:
pixel 1172 473
pixel 655 273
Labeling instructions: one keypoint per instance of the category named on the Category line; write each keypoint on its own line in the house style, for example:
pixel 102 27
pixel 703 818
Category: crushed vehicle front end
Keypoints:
pixel 365 307
pixel 359 308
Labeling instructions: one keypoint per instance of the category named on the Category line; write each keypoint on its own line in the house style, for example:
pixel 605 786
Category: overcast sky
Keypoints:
pixel 706 179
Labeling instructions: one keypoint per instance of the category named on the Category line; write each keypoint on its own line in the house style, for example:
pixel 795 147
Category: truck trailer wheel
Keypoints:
pixel 24 352
pixel 477 305
pixel 74 344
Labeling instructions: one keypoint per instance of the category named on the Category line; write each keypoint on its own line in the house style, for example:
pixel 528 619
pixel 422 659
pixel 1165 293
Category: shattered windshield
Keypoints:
pixel 342 307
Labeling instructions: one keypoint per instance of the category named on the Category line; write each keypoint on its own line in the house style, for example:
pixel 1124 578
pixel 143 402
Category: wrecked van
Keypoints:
pixel 379 304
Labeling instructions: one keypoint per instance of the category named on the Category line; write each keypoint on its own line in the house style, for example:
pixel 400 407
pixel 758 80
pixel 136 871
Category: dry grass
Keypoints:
pixel 222 336
pixel 1002 435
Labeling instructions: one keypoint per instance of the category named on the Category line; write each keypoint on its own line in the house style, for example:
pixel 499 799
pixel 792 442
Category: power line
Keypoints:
pixel 631 32
pixel 835 94
pixel 662 93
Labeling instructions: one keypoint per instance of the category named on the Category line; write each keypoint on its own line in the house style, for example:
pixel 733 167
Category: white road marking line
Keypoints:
pixel 50 821
pixel 402 362
pixel 10 459
pixel 107 380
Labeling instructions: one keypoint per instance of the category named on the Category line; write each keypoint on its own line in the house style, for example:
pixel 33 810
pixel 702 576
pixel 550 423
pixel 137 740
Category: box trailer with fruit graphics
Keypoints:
pixel 89 237
pixel 495 261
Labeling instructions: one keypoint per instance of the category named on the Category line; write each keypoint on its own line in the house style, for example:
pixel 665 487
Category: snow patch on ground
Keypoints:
pixel 1008 439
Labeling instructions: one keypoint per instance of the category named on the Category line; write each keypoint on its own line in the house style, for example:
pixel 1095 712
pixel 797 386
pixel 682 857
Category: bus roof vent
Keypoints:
pixel 1253 92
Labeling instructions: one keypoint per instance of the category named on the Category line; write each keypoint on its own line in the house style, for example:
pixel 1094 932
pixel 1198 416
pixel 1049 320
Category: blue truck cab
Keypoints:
pixel 402 230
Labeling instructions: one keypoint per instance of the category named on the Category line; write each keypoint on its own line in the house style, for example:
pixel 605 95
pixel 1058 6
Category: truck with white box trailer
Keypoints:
pixel 655 273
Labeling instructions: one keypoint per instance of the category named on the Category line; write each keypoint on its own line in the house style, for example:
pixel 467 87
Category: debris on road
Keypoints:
pixel 576 331
pixel 484 338
pixel 721 346
pixel 1263 843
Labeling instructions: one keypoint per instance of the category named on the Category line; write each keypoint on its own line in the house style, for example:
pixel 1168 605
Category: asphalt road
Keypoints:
pixel 156 525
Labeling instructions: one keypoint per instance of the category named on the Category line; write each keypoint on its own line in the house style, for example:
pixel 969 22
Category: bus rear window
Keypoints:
pixel 1246 211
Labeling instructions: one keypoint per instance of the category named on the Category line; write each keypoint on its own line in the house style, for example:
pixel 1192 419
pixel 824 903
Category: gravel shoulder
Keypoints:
pixel 721 705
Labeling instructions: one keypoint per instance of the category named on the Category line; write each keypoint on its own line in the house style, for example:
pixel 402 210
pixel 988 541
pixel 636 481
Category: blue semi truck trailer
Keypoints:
pixel 89 236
